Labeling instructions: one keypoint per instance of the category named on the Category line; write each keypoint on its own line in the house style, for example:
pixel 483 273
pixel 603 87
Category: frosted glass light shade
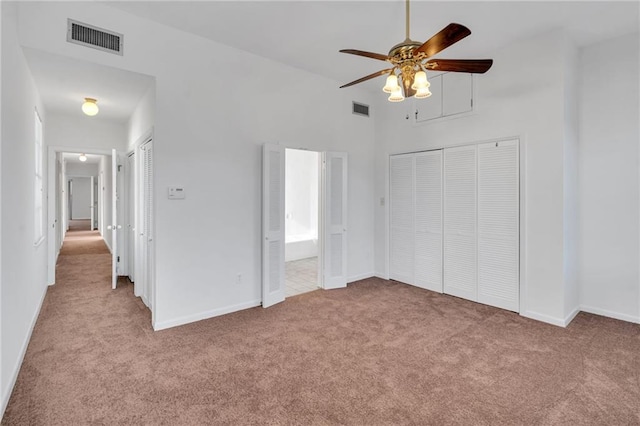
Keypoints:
pixel 82 158
pixel 90 107
pixel 396 95
pixel 420 81
pixel 392 84
pixel 423 93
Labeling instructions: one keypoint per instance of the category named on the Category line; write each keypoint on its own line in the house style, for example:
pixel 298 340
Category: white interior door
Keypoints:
pixel 114 219
pixel 273 190
pixel 460 248
pixel 401 223
pixel 428 220
pixel 498 224
pixel 131 223
pixel 335 220
pixel 145 254
pixel 93 201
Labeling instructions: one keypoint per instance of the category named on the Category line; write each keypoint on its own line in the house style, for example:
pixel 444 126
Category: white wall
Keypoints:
pixel 521 96
pixel 23 275
pixel 85 133
pixel 143 118
pixel 80 198
pixel 301 193
pixel 212 145
pixel 608 168
pixel 82 169
pixel 570 190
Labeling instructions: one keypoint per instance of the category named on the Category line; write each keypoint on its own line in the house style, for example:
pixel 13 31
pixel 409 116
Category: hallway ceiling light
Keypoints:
pixel 82 158
pixel 90 106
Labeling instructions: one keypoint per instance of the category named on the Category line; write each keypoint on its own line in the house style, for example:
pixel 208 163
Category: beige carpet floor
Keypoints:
pixel 375 353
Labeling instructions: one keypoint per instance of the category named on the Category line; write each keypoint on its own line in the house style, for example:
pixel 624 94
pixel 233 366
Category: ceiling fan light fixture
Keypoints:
pixel 392 84
pixel 82 157
pixel 396 95
pixel 422 93
pixel 420 81
pixel 90 107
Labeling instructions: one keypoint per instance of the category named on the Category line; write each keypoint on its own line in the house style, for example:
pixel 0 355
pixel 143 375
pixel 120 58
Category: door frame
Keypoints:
pixel 143 267
pixel 52 219
pixel 322 216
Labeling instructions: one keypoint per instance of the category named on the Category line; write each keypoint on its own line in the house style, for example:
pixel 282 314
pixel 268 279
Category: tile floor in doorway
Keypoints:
pixel 301 276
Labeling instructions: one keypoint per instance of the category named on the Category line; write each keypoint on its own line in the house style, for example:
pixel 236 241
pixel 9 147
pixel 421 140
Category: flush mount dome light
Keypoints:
pixel 90 107
pixel 82 158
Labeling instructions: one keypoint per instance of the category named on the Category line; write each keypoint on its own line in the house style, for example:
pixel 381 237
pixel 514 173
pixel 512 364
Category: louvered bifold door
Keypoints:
pixel 401 224
pixel 335 217
pixel 273 185
pixel 498 224
pixel 460 251
pixel 148 224
pixel 428 220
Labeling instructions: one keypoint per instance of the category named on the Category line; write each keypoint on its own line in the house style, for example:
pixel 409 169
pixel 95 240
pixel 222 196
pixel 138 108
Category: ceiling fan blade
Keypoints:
pixel 367 54
pixel 477 66
pixel 449 35
pixel 369 77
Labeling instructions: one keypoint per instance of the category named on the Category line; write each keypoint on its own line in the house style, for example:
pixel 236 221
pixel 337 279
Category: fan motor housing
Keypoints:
pixel 404 50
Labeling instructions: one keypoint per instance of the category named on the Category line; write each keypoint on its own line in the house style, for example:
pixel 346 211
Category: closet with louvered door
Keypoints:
pixel 428 220
pixel 401 220
pixel 498 224
pixel 454 222
pixel 460 200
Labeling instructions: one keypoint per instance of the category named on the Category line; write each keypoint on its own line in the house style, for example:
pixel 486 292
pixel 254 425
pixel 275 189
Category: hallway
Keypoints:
pixel 75 342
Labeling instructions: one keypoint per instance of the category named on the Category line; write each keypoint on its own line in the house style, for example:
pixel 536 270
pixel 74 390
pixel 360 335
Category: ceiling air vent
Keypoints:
pixel 360 109
pixel 90 36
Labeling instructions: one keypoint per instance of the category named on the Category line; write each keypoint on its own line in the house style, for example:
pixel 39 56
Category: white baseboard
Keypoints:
pixel 360 277
pixel 107 244
pixel 560 322
pixel 571 316
pixel 162 325
pixel 6 393
pixel 610 314
pixel 381 275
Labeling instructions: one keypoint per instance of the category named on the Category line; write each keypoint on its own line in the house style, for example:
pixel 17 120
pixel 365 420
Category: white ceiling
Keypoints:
pixel 308 34
pixel 63 84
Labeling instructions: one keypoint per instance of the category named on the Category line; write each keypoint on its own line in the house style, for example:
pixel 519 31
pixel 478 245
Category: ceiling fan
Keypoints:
pixel 410 61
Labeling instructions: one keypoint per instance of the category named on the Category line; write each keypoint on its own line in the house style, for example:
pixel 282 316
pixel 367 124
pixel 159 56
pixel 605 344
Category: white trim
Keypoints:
pixel 6 393
pixel 52 250
pixel 610 314
pixel 205 315
pixel 360 277
pixel 544 318
pixel 522 174
pixel 380 275
pixel 571 316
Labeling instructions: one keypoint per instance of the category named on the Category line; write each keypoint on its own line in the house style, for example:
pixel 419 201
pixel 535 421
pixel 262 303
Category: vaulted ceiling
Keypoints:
pixel 308 34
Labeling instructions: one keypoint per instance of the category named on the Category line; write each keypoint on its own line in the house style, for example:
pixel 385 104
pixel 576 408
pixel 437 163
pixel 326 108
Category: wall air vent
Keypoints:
pixel 97 38
pixel 360 109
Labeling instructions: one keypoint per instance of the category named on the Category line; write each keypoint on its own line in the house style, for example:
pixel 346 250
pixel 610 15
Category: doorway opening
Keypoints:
pixel 302 204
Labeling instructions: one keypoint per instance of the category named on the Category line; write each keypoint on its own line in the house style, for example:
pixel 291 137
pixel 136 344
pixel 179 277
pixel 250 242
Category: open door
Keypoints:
pixel 114 219
pixel 334 220
pixel 273 186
